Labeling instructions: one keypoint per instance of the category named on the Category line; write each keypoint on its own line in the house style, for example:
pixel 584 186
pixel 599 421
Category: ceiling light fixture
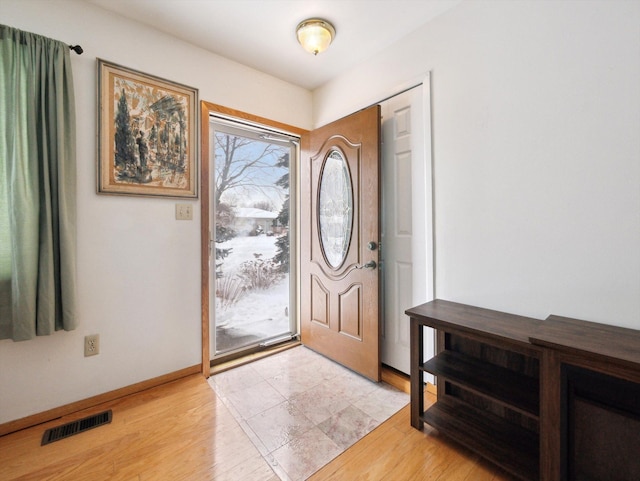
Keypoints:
pixel 315 35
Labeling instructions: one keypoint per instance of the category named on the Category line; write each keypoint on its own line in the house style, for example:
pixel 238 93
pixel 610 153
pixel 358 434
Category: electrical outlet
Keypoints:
pixel 184 212
pixel 91 345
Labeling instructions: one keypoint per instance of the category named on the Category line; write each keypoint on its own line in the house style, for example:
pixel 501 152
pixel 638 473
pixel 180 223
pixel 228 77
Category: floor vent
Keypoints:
pixel 76 427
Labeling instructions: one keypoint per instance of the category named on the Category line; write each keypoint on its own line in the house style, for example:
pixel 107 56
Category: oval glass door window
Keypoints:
pixel 335 209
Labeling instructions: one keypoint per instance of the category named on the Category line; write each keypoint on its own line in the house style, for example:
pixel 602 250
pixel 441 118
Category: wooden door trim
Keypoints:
pixel 204 235
pixel 206 110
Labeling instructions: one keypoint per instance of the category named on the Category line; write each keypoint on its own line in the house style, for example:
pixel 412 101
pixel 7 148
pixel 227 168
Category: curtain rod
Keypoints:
pixel 76 48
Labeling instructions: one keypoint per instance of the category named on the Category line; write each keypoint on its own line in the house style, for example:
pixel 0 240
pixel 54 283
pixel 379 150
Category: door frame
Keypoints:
pixel 429 196
pixel 206 109
pixel 428 262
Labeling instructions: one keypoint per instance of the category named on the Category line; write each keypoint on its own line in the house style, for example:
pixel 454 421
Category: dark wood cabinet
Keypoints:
pixel 503 388
pixel 488 382
pixel 590 401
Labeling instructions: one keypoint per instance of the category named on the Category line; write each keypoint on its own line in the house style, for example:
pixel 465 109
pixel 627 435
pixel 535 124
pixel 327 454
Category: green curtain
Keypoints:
pixel 37 186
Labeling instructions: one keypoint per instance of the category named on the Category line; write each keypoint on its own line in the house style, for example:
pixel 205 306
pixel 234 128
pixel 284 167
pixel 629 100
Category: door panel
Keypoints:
pixel 351 319
pixel 319 301
pixel 339 295
pixel 397 230
pixel 405 215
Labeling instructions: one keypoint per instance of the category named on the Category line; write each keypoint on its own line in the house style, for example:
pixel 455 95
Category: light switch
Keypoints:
pixel 184 212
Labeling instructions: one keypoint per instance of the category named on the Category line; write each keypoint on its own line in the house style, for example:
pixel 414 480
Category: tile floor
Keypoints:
pixel 301 410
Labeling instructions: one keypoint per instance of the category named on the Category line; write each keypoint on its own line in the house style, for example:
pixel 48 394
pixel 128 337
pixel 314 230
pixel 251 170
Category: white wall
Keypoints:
pixel 138 268
pixel 536 151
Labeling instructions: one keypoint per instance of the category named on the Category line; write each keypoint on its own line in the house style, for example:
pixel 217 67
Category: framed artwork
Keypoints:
pixel 147 140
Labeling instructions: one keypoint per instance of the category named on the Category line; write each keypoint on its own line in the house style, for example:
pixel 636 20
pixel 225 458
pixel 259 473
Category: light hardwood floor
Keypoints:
pixel 178 431
pixel 181 431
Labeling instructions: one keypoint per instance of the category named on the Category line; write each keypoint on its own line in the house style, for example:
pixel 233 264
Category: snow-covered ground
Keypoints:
pixel 244 248
pixel 262 313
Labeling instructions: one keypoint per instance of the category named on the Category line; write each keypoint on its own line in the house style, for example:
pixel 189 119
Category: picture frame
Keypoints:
pixel 147 134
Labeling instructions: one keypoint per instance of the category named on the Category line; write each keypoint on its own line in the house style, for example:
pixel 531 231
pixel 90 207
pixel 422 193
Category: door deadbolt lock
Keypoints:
pixel 372 246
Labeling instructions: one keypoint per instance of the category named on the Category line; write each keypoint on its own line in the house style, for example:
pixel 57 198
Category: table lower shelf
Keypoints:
pixel 511 447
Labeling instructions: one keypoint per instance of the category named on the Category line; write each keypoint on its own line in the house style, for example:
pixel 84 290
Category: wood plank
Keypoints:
pixel 454 317
pixel 591 340
pixel 508 445
pixel 550 416
pixel 417 404
pixel 219 366
pixel 254 119
pixel 511 389
pixel 205 239
pixel 395 378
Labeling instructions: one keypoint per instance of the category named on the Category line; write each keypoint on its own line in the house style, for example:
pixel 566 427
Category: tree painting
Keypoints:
pixel 148 134
pixel 142 111
pixel 124 151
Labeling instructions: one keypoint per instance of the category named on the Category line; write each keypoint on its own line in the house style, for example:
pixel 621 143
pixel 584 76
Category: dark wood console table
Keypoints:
pixel 514 389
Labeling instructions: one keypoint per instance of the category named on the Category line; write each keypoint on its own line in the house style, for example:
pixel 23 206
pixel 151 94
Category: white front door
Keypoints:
pixel 406 244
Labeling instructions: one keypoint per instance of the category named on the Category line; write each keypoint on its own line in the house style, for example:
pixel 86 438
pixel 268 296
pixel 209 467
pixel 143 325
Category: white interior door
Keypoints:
pixel 406 241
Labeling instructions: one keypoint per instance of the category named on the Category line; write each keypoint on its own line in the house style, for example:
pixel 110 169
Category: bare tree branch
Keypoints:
pixel 238 164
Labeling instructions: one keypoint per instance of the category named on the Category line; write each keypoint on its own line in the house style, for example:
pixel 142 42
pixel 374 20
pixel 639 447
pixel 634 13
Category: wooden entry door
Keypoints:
pixel 339 236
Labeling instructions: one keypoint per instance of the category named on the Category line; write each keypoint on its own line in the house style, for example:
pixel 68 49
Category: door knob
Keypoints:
pixel 368 265
pixel 372 246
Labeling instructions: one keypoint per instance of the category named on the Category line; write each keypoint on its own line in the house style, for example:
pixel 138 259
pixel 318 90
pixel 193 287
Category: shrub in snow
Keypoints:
pixel 229 289
pixel 260 273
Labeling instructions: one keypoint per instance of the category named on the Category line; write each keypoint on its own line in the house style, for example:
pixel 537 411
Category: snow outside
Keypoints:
pixel 252 240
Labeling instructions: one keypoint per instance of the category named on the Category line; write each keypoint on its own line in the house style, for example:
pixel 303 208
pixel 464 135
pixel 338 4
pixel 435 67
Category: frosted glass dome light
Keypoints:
pixel 315 35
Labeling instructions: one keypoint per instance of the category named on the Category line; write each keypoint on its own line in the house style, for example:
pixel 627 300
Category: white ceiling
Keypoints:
pixel 261 33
